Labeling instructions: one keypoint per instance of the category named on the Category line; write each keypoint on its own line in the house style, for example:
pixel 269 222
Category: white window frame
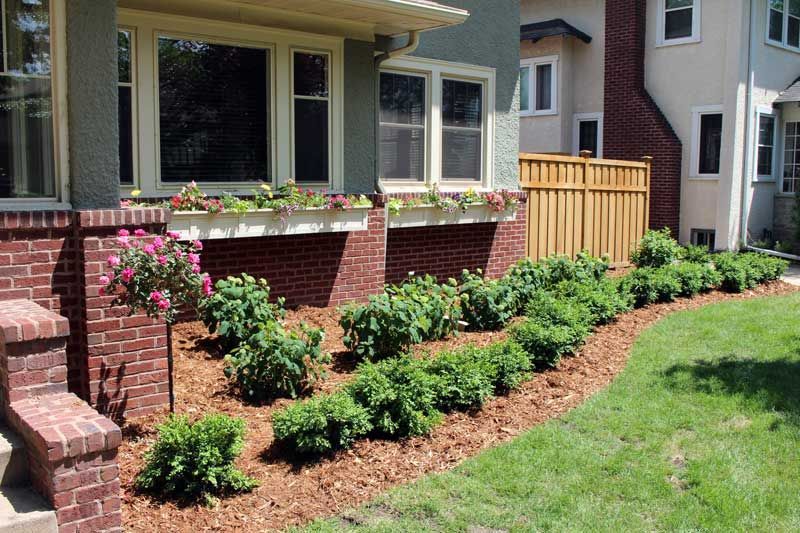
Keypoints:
pixel 765 111
pixel 781 180
pixel 280 43
pixel 784 42
pixel 576 132
pixel 58 92
pixel 697 114
pixel 126 188
pixel 531 64
pixel 697 24
pixel 435 71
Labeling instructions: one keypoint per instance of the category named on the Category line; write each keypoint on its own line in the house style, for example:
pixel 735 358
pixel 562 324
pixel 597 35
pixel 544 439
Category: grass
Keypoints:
pixel 700 432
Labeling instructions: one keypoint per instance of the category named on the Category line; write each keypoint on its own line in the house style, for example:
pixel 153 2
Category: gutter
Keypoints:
pixel 411 45
pixel 790 257
pixel 748 153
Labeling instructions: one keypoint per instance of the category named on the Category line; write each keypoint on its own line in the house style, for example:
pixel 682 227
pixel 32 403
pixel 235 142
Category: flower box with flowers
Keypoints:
pixel 434 209
pixel 292 211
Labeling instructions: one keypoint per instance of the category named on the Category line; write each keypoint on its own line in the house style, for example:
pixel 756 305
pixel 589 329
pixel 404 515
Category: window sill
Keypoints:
pixel 679 42
pixel 714 177
pixel 193 225
pixel 769 180
pixel 786 47
pixel 33 205
pixel 429 215
pixel 551 113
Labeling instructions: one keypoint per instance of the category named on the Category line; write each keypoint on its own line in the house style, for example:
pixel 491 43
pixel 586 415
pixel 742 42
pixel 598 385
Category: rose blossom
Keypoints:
pixel 193 259
pixel 163 305
pixel 173 235
pixel 207 286
pixel 156 296
pixel 179 253
pixel 195 269
pixel 123 242
pixel 104 280
pixel 198 245
pixel 150 249
pixel 127 275
pixel 162 260
pixel 123 233
pixel 113 260
pixel 140 233
pixel 158 243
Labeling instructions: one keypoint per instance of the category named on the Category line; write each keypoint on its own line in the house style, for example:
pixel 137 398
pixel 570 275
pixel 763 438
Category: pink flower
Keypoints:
pixel 198 245
pixel 173 235
pixel 104 280
pixel 179 254
pixel 123 242
pixel 195 269
pixel 156 296
pixel 158 242
pixel 124 203
pixel 208 289
pixel 162 260
pixel 163 305
pixel 127 275
pixel 123 233
pixel 193 258
pixel 150 249
pixel 140 233
pixel 113 260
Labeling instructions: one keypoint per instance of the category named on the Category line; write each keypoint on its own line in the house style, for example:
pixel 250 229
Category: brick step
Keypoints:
pixel 23 511
pixel 13 459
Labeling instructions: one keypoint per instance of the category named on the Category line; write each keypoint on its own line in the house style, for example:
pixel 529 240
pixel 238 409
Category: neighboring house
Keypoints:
pixel 700 85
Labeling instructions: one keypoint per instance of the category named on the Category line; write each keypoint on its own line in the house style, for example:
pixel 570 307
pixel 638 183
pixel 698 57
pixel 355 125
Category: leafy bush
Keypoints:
pixel 462 380
pixel 656 249
pixel 322 424
pixel 695 278
pixel 696 254
pixel 276 362
pixel 487 304
pixel 584 268
pixel 525 279
pixel 507 364
pixel 418 310
pixel 603 300
pixel 744 271
pixel 237 308
pixel 195 460
pixel 651 285
pixel 399 394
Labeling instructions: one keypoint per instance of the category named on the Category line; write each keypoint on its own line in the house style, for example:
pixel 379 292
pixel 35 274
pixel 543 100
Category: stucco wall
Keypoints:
pixel 359 117
pixel 490 37
pixel 92 103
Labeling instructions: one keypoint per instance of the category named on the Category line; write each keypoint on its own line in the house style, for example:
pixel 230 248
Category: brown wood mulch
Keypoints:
pixel 292 494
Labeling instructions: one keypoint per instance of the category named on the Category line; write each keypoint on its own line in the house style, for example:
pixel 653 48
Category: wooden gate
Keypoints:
pixel 578 203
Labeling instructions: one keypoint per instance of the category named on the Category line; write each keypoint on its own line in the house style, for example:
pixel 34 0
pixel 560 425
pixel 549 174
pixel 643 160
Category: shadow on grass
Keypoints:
pixel 772 385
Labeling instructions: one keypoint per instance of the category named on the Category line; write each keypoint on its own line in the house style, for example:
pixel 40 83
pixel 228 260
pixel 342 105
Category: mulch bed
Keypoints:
pixel 292 494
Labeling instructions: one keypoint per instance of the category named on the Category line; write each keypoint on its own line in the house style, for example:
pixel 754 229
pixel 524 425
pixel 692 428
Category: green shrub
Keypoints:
pixel 651 285
pixel 237 308
pixel 275 362
pixel 399 394
pixel 463 380
pixel 525 279
pixel 418 310
pixel 656 249
pixel 696 254
pixel 192 461
pixel 603 300
pixel 744 271
pixel 548 308
pixel 584 268
pixel 695 278
pixel 322 424
pixel 507 364
pixel 487 304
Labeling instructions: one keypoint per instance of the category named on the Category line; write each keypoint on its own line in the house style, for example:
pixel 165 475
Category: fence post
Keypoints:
pixel 648 160
pixel 585 154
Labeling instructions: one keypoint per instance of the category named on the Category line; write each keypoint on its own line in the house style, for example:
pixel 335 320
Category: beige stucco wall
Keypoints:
pixel 580 70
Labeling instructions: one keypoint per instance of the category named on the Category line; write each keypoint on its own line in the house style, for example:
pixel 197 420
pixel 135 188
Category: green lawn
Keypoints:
pixel 701 432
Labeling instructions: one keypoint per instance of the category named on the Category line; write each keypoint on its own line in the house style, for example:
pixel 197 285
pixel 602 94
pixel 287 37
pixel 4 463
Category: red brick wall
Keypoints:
pixel 634 126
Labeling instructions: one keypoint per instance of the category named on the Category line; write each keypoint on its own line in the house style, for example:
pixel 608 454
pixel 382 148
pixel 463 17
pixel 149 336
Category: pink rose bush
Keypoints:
pixel 155 274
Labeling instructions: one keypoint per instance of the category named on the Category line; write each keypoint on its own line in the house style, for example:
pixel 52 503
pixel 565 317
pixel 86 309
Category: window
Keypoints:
pixel 791 158
pixel 125 88
pixel 402 126
pixel 679 22
pixel 707 141
pixel 588 134
pixel 436 125
pixel 765 146
pixel 538 86
pixel 783 23
pixel 27 145
pixel 311 117
pixel 704 237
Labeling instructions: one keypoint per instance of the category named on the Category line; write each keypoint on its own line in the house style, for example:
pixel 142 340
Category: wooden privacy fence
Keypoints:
pixel 578 203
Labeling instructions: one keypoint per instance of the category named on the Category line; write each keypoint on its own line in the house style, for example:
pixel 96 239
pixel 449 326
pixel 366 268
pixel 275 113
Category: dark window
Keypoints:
pixel 766 144
pixel 791 158
pixel 214 112
pixel 544 87
pixel 678 19
pixel 704 237
pixel 311 117
pixel 793 28
pixel 125 90
pixel 776 20
pixel 462 130
pixel 27 159
pixel 710 143
pixel 524 88
pixel 588 131
pixel 402 127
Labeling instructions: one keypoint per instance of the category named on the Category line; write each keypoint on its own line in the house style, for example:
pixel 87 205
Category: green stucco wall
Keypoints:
pixel 359 117
pixel 92 103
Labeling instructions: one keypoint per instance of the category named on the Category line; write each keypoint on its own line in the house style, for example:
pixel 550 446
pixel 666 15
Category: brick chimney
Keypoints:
pixel 634 126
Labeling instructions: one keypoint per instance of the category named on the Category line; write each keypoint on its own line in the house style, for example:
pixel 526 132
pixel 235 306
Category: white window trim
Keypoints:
pixel 782 161
pixel 58 91
pixel 765 111
pixel 784 42
pixel 150 25
pixel 697 113
pixel 576 132
pixel 697 24
pixel 435 71
pixel 531 63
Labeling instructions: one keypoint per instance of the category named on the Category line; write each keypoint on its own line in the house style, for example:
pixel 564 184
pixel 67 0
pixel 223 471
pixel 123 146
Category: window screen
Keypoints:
pixel 462 130
pixel 311 117
pixel 125 90
pixel 791 158
pixel 544 87
pixel 525 89
pixel 766 144
pixel 678 19
pixel 402 127
pixel 710 143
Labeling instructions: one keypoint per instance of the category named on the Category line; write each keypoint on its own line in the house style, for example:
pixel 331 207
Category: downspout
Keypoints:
pixel 748 153
pixel 413 43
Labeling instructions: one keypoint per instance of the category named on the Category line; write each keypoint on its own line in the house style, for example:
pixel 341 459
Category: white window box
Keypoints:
pixel 266 223
pixel 430 215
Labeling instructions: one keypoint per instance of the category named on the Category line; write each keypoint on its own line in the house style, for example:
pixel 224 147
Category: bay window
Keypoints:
pixel 783 23
pixel 226 106
pixel 678 22
pixel 436 125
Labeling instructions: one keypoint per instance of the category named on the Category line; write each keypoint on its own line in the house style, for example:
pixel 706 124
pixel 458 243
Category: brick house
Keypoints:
pixel 697 84
pixel 101 98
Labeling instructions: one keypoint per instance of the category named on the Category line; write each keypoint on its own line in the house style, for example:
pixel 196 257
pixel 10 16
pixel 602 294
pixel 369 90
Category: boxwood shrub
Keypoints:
pixel 507 364
pixel 695 278
pixel 463 380
pixel 656 249
pixel 651 285
pixel 602 298
pixel 744 271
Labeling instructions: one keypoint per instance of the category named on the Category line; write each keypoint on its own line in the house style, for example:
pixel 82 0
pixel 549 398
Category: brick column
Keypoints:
pixel 126 356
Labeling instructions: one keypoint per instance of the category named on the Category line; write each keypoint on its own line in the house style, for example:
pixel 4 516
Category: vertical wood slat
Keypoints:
pixel 579 203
